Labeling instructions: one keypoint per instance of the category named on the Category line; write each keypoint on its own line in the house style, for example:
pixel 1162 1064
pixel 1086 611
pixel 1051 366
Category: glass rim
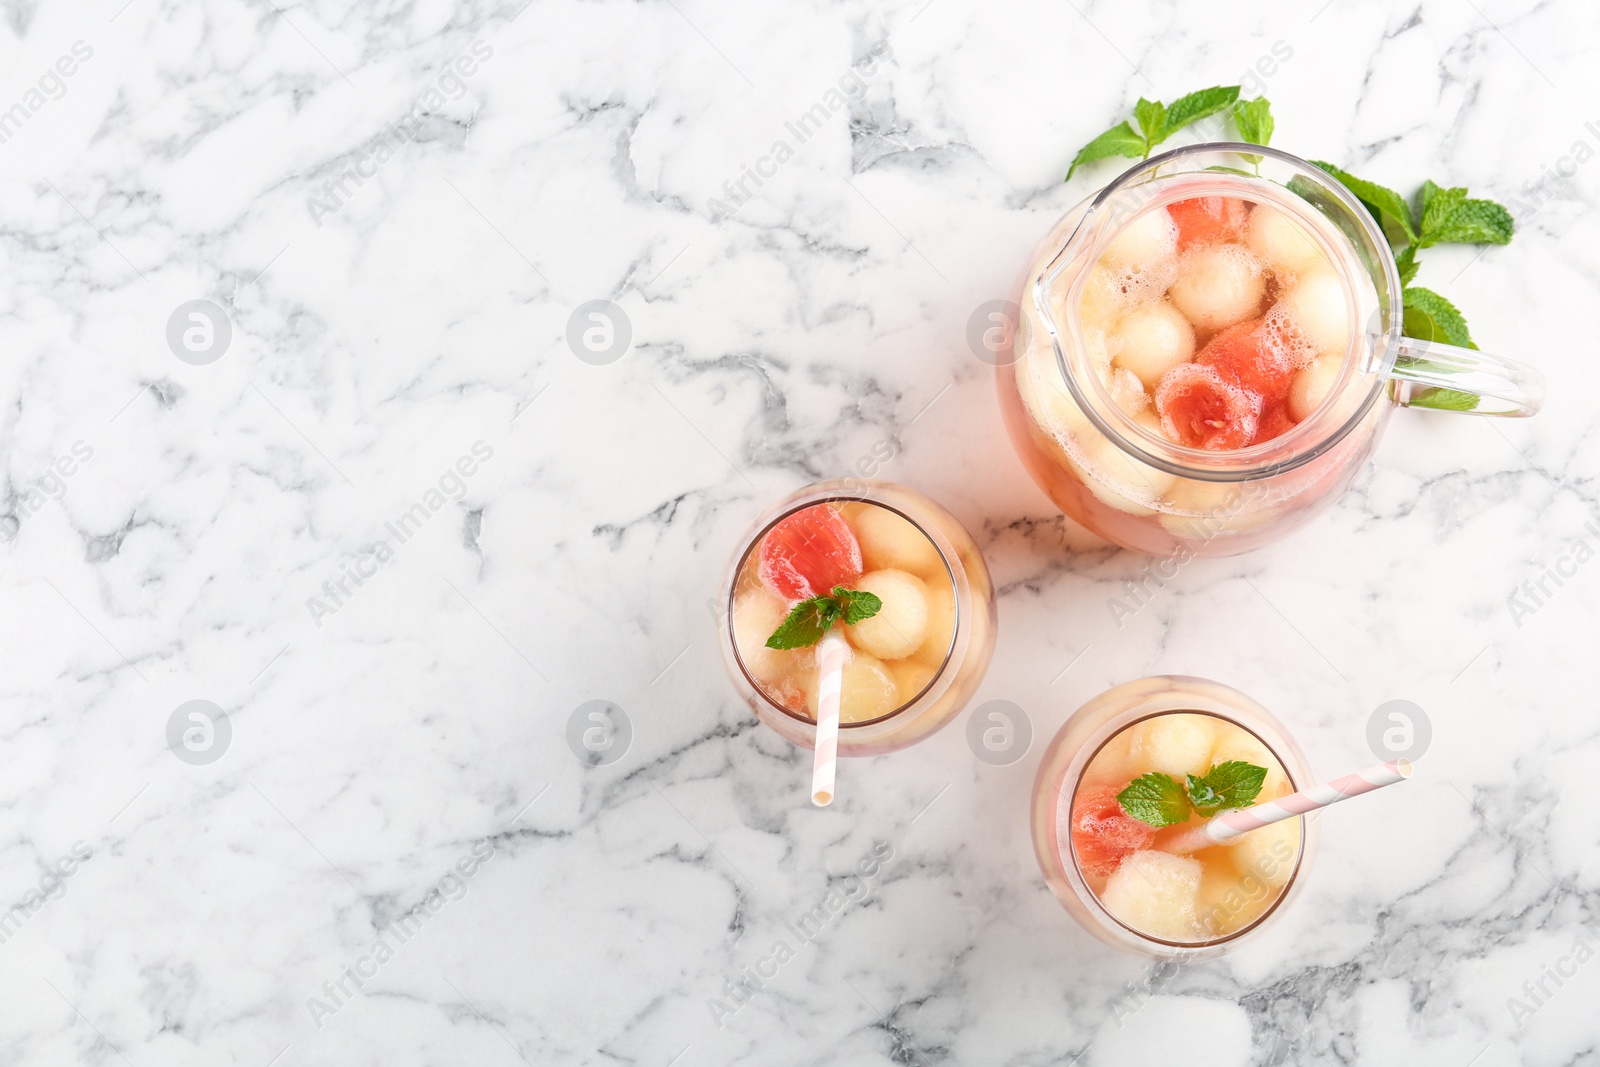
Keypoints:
pixel 812 500
pixel 1078 874
pixel 1249 463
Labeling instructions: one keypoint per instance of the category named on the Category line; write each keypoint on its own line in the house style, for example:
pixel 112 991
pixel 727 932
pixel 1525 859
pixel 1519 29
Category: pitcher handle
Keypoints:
pixel 1431 374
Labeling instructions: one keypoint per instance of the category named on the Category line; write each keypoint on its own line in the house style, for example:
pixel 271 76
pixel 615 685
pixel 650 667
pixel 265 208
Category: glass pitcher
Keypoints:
pixel 1097 444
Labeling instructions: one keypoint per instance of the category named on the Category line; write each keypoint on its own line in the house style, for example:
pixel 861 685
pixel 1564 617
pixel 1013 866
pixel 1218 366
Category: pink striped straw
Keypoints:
pixel 1229 825
pixel 830 663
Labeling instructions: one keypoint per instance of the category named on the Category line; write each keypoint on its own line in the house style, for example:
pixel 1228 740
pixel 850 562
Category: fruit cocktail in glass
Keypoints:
pixel 912 665
pixel 1122 782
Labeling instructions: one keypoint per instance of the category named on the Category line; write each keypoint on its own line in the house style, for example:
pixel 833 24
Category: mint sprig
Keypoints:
pixel 1442 216
pixel 1158 799
pixel 810 620
pixel 1157 122
pixel 858 605
pixel 1233 784
pixel 1385 205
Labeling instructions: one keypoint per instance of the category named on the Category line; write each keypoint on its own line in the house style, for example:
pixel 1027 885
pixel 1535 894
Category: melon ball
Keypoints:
pixel 1219 898
pixel 1226 902
pixel 867 689
pixel 1128 391
pixel 1101 301
pixel 1218 285
pixel 941 622
pixel 890 541
pixel 1269 853
pixel 1201 510
pixel 1151 421
pixel 1312 384
pixel 1143 244
pixel 1154 892
pixel 756 614
pixel 911 676
pixel 1178 744
pixel 1282 243
pixel 1118 479
pixel 1047 399
pixel 1112 765
pixel 1237 744
pixel 1097 346
pixel 1153 339
pixel 1316 306
pixel 901 624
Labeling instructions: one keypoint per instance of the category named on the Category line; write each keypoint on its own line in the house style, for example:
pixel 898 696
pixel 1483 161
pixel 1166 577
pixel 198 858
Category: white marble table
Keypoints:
pixel 398 533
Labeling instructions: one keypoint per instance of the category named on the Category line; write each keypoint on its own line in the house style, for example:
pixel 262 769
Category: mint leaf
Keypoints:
pixel 806 624
pixel 856 604
pixel 1156 799
pixel 1448 217
pixel 1386 205
pixel 1120 140
pixel 1407 262
pixel 1156 122
pixel 1430 317
pixel 1425 196
pixel 1199 105
pixel 1233 784
pixel 809 620
pixel 1441 399
pixel 1437 205
pixel 1152 119
pixel 1254 119
pixel 1202 796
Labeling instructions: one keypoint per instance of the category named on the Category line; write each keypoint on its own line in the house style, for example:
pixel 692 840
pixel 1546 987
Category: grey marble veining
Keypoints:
pixel 399 533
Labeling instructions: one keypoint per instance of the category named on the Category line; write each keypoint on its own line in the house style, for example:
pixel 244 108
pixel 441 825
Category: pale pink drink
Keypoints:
pixel 1119 876
pixel 912 666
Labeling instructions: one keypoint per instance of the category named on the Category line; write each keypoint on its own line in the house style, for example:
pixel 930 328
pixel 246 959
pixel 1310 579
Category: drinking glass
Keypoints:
pixel 1098 723
pixel 954 677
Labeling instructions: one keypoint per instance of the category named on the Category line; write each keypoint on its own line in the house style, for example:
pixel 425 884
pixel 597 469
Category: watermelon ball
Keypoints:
pixel 808 553
pixel 1204 220
pixel 1202 409
pixel 1255 356
pixel 1102 833
pixel 1275 422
